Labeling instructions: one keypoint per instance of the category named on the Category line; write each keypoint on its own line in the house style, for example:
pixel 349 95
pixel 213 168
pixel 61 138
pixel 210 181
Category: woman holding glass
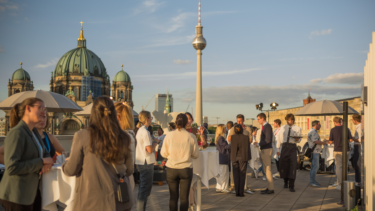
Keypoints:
pixel 25 158
pixel 145 158
pixel 102 161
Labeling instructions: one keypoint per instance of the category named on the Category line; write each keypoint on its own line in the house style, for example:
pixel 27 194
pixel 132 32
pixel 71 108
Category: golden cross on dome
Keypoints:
pixel 81 24
pixel 21 64
pixel 122 66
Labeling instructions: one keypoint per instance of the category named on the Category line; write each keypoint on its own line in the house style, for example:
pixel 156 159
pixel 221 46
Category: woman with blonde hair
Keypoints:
pixel 224 159
pixel 145 158
pixel 102 161
pixel 126 119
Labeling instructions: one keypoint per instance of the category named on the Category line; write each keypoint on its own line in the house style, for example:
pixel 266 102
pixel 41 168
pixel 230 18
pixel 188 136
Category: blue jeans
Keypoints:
pixel 146 177
pixel 314 168
pixel 261 169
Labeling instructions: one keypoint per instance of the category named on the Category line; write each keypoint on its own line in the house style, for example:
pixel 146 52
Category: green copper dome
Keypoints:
pixel 20 74
pixel 80 61
pixel 121 76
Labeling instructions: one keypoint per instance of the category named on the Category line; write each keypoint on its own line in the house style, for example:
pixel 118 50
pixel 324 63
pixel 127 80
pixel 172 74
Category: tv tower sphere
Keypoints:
pixel 199 43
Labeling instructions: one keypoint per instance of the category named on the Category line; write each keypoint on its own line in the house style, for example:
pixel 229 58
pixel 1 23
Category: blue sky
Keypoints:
pixel 257 51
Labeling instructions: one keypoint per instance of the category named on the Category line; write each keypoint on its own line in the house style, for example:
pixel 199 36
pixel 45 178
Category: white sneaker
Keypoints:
pixel 225 191
pixel 276 175
pixel 218 191
pixel 264 178
pixel 249 192
pixel 256 174
pixel 338 187
pixel 333 185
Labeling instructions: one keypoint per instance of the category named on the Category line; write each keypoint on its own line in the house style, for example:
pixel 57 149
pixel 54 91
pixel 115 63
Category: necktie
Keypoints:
pixel 288 135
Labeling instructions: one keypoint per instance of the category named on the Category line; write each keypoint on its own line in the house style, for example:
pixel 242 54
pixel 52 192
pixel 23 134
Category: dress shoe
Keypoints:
pixel 264 191
pixel 285 185
pixel 268 192
pixel 292 189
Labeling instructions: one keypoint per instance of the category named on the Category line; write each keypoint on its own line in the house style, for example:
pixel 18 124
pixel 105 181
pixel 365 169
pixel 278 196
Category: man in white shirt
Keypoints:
pixel 229 128
pixel 289 136
pixel 276 125
pixel 358 138
pixel 315 143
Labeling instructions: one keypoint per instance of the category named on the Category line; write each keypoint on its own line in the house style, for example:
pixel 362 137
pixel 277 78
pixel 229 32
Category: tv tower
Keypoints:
pixel 199 43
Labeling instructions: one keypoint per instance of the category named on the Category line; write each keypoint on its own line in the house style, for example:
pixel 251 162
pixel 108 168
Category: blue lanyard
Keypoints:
pixel 47 141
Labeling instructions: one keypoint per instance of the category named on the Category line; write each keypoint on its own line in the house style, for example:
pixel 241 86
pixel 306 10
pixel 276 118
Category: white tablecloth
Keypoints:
pixel 57 187
pixel 255 162
pixel 327 154
pixel 206 166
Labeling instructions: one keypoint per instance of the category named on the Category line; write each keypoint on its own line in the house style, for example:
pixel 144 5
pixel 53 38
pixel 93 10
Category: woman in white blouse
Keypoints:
pixel 144 158
pixel 180 147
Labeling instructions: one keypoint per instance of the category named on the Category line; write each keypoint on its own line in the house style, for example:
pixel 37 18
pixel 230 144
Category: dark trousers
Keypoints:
pixel 179 182
pixel 356 162
pixel 277 165
pixel 239 176
pixel 146 178
pixel 289 182
pixel 288 161
pixel 36 206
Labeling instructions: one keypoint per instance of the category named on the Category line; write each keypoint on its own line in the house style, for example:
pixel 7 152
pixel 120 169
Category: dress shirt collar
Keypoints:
pixel 357 126
pixel 265 123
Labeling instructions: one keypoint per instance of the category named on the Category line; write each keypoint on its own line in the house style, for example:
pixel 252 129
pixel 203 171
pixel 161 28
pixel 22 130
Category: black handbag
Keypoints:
pixel 122 188
pixel 309 151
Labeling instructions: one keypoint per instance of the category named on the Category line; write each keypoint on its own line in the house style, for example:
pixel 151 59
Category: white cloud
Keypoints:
pixel 316 81
pixel 283 95
pixel 149 6
pixel 191 74
pixel 341 78
pixel 53 62
pixel 345 78
pixel 178 61
pixel 172 41
pixel 319 33
pixel 12 7
pixel 178 21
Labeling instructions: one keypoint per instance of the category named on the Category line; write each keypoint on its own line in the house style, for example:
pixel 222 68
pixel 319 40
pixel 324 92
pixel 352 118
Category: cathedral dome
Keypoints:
pixel 80 61
pixel 20 74
pixel 122 76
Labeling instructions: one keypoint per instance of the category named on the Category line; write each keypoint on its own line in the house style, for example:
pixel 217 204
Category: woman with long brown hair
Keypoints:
pixel 144 158
pixel 126 119
pixel 180 147
pixel 25 158
pixel 101 160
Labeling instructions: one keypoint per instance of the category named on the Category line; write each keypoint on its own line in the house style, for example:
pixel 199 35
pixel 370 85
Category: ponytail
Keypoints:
pixel 143 116
pixel 18 111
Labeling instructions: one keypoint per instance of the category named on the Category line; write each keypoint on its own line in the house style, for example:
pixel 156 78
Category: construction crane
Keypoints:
pixel 217 120
pixel 188 108
pixel 147 103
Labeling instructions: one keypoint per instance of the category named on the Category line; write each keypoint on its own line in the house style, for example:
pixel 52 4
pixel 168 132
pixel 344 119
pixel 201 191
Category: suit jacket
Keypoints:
pixel 96 180
pixel 240 147
pixel 266 137
pixel 22 165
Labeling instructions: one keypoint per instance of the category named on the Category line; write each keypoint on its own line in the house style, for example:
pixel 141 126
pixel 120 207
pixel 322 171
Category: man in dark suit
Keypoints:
pixel 266 153
pixel 240 154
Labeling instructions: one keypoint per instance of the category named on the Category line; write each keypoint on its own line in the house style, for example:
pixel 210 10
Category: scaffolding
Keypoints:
pixel 89 83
